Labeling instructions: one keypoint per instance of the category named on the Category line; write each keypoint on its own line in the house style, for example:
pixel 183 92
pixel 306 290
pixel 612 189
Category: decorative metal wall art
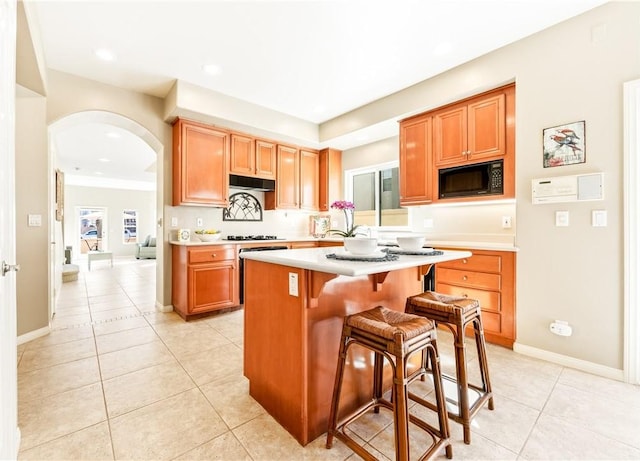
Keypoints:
pixel 564 145
pixel 242 207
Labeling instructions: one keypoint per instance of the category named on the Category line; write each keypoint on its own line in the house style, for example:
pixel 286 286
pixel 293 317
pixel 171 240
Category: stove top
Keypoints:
pixel 252 237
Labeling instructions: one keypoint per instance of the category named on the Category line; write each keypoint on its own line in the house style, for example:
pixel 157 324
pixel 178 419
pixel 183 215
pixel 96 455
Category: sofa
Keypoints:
pixel 146 249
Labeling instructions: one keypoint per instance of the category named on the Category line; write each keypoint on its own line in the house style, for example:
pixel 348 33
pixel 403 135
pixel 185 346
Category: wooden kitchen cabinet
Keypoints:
pixel 252 157
pixel 330 178
pixel 309 177
pixel 287 193
pixel 471 131
pixel 205 279
pixel 488 276
pixel 200 165
pixel 416 176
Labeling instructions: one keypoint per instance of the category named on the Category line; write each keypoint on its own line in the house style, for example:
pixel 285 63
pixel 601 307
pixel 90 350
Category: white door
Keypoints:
pixel 8 368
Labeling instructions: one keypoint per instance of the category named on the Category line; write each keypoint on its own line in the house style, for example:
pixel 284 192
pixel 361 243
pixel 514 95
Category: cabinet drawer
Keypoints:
pixel 468 279
pixel 489 300
pixel 477 262
pixel 211 254
pixel 490 304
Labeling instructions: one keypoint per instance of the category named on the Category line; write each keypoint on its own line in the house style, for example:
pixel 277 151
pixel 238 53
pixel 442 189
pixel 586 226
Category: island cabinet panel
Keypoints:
pixel 470 132
pixel 287 193
pixel 204 279
pixel 200 165
pixel 330 178
pixel 309 177
pixel 416 177
pixel 252 157
pixel 488 276
pixel 291 341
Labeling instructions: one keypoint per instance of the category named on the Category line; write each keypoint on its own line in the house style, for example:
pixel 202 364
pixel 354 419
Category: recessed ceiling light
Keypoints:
pixel 98 173
pixel 113 134
pixel 104 160
pixel 211 69
pixel 105 54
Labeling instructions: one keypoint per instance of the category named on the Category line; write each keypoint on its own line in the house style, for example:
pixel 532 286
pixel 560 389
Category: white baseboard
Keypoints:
pixel 33 335
pixel 161 308
pixel 571 362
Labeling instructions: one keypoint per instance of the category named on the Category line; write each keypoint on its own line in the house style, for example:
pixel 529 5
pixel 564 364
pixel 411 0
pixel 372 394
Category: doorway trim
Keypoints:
pixel 631 201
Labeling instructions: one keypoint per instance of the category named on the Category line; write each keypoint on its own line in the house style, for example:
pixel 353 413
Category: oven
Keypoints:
pixel 241 263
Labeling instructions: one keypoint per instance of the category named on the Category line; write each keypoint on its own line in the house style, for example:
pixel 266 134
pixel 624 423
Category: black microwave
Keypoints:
pixel 473 180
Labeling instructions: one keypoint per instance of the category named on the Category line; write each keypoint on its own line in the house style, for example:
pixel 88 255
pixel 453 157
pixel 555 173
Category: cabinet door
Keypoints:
pixel 450 136
pixel 242 155
pixel 309 174
pixel 415 162
pixel 330 179
pixel 486 128
pixel 265 159
pixel 286 195
pixel 212 286
pixel 200 163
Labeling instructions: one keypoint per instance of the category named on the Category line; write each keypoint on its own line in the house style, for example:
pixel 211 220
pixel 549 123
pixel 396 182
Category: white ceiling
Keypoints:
pixel 313 60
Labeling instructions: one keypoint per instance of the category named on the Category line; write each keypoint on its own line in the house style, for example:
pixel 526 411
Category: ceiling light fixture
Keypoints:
pixel 211 69
pixel 113 134
pixel 105 54
pixel 99 173
pixel 104 160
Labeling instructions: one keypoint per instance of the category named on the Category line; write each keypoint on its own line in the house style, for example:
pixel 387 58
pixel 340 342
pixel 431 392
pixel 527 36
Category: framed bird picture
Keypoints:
pixel 564 144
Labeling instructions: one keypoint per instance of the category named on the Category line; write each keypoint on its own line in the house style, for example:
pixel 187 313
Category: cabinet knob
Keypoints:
pixel 213 255
pixel 464 295
pixel 464 261
pixel 464 277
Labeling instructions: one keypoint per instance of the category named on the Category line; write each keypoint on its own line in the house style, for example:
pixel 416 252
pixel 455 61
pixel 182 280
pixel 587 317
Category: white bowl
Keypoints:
pixel 360 245
pixel 410 243
pixel 209 237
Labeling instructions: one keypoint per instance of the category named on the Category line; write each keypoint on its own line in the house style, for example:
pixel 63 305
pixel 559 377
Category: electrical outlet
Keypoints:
pixel 506 222
pixel 174 222
pixel 293 284
pixel 562 218
pixel 199 222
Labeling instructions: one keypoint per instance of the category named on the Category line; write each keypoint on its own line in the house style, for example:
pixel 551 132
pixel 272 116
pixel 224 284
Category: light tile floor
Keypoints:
pixel 116 380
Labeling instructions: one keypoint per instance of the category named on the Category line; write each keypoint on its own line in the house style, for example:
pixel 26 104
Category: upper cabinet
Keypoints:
pixel 330 177
pixel 470 132
pixel 297 184
pixel 477 130
pixel 287 193
pixel 309 175
pixel 252 157
pixel 200 165
pixel 416 182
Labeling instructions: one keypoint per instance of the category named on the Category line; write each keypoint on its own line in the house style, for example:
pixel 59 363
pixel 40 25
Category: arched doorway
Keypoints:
pixel 125 151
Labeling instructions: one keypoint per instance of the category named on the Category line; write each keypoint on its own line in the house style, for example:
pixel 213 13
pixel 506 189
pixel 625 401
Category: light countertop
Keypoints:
pixel 316 259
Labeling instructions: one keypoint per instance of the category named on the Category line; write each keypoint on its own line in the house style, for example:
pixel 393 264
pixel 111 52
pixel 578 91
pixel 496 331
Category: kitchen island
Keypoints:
pixel 295 302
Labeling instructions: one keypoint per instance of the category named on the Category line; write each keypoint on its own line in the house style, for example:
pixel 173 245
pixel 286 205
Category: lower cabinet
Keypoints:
pixel 488 276
pixel 205 279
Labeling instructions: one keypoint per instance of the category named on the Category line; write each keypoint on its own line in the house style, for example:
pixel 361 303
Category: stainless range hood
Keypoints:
pixel 246 182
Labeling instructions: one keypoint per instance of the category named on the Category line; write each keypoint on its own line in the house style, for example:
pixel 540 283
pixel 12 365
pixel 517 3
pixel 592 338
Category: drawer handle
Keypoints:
pixel 464 277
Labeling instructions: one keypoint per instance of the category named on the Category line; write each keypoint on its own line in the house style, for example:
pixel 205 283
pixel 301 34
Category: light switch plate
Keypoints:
pixel 199 222
pixel 293 284
pixel 599 218
pixel 174 222
pixel 562 218
pixel 35 220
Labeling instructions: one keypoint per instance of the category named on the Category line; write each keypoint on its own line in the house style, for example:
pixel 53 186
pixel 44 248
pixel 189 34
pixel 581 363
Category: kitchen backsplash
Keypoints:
pixel 477 222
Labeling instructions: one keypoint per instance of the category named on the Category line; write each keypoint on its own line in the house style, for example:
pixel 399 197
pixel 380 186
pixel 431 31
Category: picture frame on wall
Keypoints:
pixel 564 145
pixel 59 195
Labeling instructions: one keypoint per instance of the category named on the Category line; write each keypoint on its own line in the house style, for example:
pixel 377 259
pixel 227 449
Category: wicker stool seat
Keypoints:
pixel 456 313
pixel 395 336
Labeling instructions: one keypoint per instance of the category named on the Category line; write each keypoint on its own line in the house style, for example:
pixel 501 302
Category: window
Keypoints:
pixel 375 192
pixel 130 226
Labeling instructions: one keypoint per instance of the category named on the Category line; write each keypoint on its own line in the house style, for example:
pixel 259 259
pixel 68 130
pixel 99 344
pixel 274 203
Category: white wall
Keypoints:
pixel 115 201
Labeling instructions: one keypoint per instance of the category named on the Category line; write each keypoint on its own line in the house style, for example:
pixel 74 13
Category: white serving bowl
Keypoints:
pixel 410 243
pixel 209 237
pixel 360 245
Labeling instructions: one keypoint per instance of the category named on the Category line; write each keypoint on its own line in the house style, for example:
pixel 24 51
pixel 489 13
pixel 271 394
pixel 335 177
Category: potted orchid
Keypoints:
pixel 348 208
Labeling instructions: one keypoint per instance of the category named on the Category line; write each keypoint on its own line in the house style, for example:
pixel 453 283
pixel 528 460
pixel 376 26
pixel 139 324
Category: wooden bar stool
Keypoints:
pixel 395 336
pixel 456 313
